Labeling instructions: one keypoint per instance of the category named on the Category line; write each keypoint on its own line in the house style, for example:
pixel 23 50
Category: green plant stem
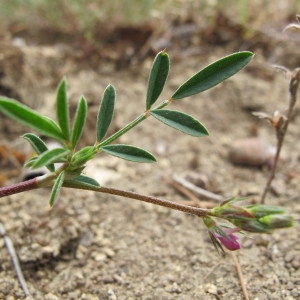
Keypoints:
pixel 281 130
pixel 132 124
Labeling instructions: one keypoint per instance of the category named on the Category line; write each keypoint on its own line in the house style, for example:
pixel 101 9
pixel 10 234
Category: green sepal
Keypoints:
pixel 106 112
pixel 157 78
pixel 62 109
pixel 83 155
pixel 39 147
pixel 51 156
pixel 28 117
pixel 213 74
pixel 128 152
pixel 180 121
pixel 80 118
pixel 56 188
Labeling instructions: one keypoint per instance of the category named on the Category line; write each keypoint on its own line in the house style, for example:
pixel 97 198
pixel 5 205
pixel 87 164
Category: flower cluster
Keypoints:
pixel 251 218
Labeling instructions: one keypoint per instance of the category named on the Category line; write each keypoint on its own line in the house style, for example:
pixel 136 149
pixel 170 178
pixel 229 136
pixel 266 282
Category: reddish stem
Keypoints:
pixel 20 187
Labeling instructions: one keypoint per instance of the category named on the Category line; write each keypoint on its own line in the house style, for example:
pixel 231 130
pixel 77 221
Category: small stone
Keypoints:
pixel 174 288
pixel 51 296
pixel 108 252
pixel 296 262
pixel 254 152
pixel 211 288
pixel 290 256
pixel 111 295
pixel 99 256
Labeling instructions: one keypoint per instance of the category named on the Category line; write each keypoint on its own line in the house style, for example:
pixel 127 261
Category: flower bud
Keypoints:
pixel 261 210
pixel 277 221
pixel 229 211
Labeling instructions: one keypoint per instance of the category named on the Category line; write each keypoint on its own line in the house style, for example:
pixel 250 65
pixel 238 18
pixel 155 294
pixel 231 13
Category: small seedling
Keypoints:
pixel 66 164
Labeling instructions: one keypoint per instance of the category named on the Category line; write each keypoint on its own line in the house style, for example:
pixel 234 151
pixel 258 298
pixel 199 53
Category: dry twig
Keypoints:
pixel 197 190
pixel 12 252
pixel 240 275
pixel 281 126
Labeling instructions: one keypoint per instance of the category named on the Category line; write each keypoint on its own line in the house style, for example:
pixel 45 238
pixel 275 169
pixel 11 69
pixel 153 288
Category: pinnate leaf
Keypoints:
pixel 129 153
pixel 180 121
pixel 106 112
pixel 28 117
pixel 157 79
pixel 62 109
pixel 213 74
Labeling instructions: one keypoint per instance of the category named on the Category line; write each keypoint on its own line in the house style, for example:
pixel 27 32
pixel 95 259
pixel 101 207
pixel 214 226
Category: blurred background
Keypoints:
pixel 128 31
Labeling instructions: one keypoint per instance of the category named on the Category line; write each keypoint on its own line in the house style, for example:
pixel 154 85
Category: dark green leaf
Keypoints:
pixel 51 156
pixel 129 153
pixel 180 121
pixel 106 112
pixel 25 115
pixel 62 109
pixel 56 188
pixel 157 79
pixel 82 181
pixel 213 74
pixel 79 121
pixel 39 146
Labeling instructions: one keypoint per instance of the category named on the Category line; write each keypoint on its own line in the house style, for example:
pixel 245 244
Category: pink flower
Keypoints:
pixel 228 240
pixel 222 236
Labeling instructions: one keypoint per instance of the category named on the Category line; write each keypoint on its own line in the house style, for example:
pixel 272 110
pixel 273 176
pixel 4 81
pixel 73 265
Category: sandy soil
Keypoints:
pixel 94 246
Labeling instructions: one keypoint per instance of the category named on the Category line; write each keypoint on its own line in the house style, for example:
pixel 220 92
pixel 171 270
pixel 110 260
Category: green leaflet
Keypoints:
pixel 39 147
pixel 129 153
pixel 81 181
pixel 157 78
pixel 51 156
pixel 180 121
pixel 213 74
pixel 28 117
pixel 106 112
pixel 56 188
pixel 62 109
pixel 79 121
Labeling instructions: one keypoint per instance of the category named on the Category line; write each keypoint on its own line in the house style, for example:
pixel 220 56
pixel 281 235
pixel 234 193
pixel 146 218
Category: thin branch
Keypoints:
pixel 281 129
pixel 12 252
pixel 240 275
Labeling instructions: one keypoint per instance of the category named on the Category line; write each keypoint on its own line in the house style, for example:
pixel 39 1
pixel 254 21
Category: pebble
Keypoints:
pixel 211 288
pixel 174 288
pixel 253 152
pixel 51 296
